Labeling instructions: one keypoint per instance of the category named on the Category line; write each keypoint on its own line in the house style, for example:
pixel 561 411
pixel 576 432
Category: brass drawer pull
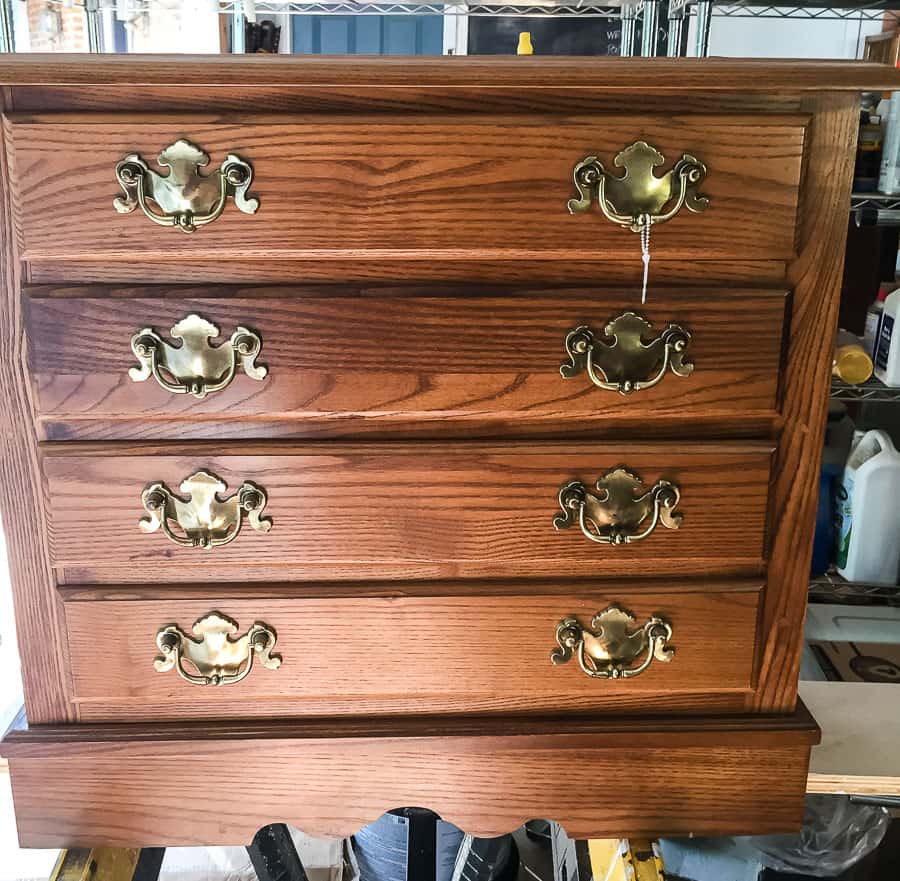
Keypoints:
pixel 185 198
pixel 204 520
pixel 622 512
pixel 639 198
pixel 625 359
pixel 195 367
pixel 610 648
pixel 216 656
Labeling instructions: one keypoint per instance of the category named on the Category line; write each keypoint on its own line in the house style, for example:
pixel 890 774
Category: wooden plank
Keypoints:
pixel 623 75
pixel 350 361
pixel 858 753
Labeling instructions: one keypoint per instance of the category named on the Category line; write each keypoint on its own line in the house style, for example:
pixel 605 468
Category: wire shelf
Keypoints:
pixel 874 390
pixel 803 13
pixel 499 10
pixel 812 11
pixel 261 8
pixel 879 201
pixel 832 588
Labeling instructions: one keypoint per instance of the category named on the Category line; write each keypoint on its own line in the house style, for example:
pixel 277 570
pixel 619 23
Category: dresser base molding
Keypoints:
pixel 217 783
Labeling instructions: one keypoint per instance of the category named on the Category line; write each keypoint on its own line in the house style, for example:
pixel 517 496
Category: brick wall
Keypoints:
pixel 69 36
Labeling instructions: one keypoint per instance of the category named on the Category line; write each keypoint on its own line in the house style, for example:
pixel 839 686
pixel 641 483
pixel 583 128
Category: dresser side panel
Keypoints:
pixel 816 279
pixel 38 610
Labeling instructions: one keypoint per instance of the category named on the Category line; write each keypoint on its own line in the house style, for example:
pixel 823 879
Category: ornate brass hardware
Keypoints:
pixel 204 520
pixel 610 648
pixel 217 657
pixel 624 359
pixel 195 367
pixel 623 511
pixel 639 198
pixel 185 198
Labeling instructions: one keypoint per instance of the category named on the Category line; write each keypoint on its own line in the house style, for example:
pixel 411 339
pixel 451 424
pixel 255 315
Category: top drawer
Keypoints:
pixel 404 187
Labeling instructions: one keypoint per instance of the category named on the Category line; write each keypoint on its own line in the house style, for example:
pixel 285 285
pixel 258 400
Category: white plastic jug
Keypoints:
pixel 868 510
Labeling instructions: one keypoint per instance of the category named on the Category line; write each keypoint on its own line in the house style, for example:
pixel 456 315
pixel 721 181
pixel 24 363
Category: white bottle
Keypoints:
pixel 889 177
pixel 887 348
pixel 868 510
pixel 873 323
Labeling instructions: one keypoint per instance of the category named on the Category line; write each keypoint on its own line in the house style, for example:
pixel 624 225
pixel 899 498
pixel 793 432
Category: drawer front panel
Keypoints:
pixel 391 186
pixel 408 510
pixel 409 654
pixel 375 360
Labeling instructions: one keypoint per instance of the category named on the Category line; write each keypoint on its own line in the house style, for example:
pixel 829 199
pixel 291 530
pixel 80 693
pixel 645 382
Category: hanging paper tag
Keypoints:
pixel 645 255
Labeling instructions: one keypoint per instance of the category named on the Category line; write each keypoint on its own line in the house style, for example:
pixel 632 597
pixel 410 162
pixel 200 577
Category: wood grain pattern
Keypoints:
pixel 348 98
pixel 341 359
pixel 628 76
pixel 426 183
pixel 713 775
pixel 816 278
pixel 382 187
pixel 343 656
pixel 38 610
pixel 410 268
pixel 465 510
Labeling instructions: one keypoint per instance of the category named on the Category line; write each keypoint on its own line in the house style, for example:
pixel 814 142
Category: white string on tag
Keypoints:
pixel 645 255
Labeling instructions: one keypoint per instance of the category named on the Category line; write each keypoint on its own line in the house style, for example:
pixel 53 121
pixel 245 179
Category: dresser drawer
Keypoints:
pixel 405 510
pixel 345 361
pixel 462 652
pixel 398 186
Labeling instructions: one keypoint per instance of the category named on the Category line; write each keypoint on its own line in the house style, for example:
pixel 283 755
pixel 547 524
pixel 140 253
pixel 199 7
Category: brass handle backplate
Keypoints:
pixel 195 367
pixel 611 650
pixel 215 656
pixel 203 519
pixel 625 358
pixel 184 198
pixel 623 511
pixel 639 198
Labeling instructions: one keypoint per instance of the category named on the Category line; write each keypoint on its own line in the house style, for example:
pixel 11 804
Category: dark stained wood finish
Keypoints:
pixel 38 610
pixel 392 186
pixel 663 776
pixel 346 656
pixel 816 278
pixel 345 362
pixel 382 510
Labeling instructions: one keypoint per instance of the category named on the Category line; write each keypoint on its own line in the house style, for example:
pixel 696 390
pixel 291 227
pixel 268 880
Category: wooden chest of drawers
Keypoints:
pixel 387 453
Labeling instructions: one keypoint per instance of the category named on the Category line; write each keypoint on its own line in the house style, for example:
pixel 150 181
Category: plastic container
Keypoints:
pixel 873 321
pixel 838 437
pixel 868 512
pixel 887 349
pixel 525 46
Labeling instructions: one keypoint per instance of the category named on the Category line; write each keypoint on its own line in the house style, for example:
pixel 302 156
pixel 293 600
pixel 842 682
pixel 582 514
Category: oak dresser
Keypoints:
pixel 349 466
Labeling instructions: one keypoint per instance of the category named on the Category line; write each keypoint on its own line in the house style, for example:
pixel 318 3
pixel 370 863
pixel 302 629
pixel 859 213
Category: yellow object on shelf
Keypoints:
pixel 525 47
pixel 851 364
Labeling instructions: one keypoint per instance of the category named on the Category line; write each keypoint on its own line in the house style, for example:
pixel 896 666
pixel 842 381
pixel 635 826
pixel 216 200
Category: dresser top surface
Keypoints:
pixel 634 75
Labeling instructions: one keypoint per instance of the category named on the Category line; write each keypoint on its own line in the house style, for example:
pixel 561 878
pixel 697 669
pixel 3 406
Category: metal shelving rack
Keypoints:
pixel 629 12
pixel 831 588
pixel 680 12
pixel 873 391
